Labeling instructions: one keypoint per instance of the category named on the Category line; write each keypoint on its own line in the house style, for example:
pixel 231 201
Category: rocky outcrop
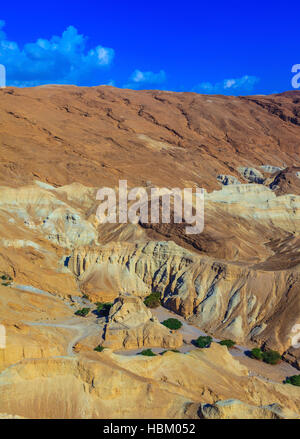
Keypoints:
pixel 104 282
pixel 271 169
pixel 258 204
pixel 235 409
pixel 228 299
pixel 131 325
pixel 45 211
pixel 286 181
pixel 227 179
pixel 251 174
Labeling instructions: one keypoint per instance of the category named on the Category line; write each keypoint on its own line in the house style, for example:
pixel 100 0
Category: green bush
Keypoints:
pixel 82 312
pixel 172 323
pixel 148 353
pixel 99 348
pixel 229 343
pixel 6 280
pixel 103 305
pixel 294 380
pixel 257 354
pixel 203 341
pixel 6 277
pixel 103 308
pixel 153 300
pixel 271 357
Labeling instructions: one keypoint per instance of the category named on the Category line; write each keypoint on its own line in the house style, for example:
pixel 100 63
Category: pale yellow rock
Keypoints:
pixel 104 282
pixel 174 385
pixel 131 325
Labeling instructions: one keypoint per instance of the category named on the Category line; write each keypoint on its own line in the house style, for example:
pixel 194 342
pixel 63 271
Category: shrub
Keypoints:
pixel 103 305
pixel 85 296
pixel 6 277
pixel 153 300
pixel 256 353
pixel 82 312
pixel 203 341
pixel 148 353
pixel 99 348
pixel 6 280
pixel 103 308
pixel 172 323
pixel 229 343
pixel 271 357
pixel 294 380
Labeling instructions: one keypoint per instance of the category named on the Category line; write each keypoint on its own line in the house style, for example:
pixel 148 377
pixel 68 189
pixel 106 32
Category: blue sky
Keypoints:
pixel 231 47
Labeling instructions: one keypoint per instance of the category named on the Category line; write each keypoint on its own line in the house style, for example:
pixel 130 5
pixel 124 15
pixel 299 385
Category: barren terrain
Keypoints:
pixel 239 279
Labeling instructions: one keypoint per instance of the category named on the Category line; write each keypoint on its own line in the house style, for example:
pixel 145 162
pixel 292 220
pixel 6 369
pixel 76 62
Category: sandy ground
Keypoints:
pixel 90 325
pixel 82 328
pixel 267 372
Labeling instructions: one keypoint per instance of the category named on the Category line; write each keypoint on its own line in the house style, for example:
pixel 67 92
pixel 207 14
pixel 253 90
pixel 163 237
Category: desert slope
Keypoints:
pixel 238 279
pixel 98 135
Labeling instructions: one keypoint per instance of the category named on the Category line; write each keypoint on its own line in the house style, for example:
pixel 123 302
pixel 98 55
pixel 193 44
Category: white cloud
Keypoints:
pixel 140 79
pixel 61 59
pixel 228 86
